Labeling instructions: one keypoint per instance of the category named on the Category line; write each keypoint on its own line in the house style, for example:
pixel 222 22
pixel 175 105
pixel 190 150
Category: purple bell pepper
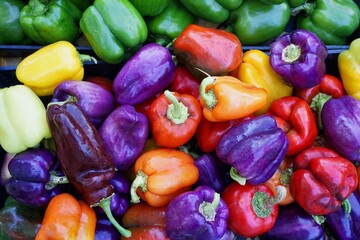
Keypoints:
pixel 340 120
pixel 198 214
pixel 105 229
pixel 96 102
pixel 148 72
pixel 254 149
pixel 293 223
pixel 299 58
pixel 34 177
pixel 124 133
pixel 344 223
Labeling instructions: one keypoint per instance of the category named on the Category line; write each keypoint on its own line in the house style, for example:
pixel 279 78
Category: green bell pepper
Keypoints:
pixel 256 22
pixel 331 20
pixel 215 11
pixel 10 28
pixel 111 27
pixel 82 4
pixel 168 25
pixel 18 221
pixel 150 8
pixel 49 21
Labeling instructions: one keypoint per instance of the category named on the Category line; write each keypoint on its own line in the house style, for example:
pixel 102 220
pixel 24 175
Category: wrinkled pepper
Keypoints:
pixel 23 119
pixel 198 214
pixel 168 25
pixel 322 180
pixel 82 156
pixel 174 119
pixel 18 221
pixel 66 218
pixel 295 117
pixel 331 20
pixel 222 50
pixel 52 64
pixel 148 8
pixel 225 98
pixel 113 35
pixel 216 11
pixel 255 69
pixel 49 21
pixel 256 22
pixel 349 68
pixel 10 28
pixel 161 175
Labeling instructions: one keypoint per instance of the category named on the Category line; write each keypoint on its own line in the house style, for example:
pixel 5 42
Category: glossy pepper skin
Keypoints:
pixel 185 82
pixel 37 187
pixel 67 218
pixel 349 67
pixel 96 102
pixel 225 98
pixel 113 35
pixel 197 43
pixel 150 7
pixel 216 11
pixel 148 72
pixel 299 58
pixel 124 133
pixel 168 25
pixel 50 21
pixel 332 21
pixel 256 23
pixel 10 28
pixel 18 221
pixel 65 61
pixel 322 180
pixel 340 121
pixel 174 119
pixel 161 175
pixel 197 214
pixel 295 117
pixel 293 222
pixel 23 119
pixel 254 148
pixel 89 169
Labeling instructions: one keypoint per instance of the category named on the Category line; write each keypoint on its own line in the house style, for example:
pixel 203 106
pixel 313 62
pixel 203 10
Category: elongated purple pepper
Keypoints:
pixel 148 72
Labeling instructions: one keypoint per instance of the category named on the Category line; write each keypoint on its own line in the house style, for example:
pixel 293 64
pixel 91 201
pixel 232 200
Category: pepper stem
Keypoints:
pixel 55 180
pixel 347 207
pixel 262 203
pixel 207 209
pixel 319 219
pixel 317 104
pixel 105 205
pixel 37 7
pixel 291 53
pixel 285 176
pixel 86 58
pixel 140 181
pixel 176 112
pixel 234 174
pixel 307 7
pixel 208 96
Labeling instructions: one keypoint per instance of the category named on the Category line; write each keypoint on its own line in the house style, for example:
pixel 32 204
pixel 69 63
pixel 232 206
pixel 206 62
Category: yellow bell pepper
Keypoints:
pixel 256 70
pixel 23 121
pixel 349 69
pixel 52 64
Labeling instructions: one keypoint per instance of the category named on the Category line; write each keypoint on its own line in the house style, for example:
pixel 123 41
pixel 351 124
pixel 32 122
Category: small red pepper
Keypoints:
pixel 322 180
pixel 174 118
pixel 295 117
pixel 185 82
pixel 253 209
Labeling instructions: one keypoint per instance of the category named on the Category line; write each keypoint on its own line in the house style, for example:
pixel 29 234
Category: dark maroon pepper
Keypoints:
pixel 82 156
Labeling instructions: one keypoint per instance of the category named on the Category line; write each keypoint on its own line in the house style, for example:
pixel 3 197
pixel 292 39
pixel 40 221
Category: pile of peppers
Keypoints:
pixel 186 140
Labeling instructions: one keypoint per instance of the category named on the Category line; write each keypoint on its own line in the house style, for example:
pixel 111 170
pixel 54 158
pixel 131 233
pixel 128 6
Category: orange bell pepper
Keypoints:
pixel 161 175
pixel 225 98
pixel 66 218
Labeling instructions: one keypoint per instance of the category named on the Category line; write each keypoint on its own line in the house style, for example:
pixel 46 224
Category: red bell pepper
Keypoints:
pixel 253 209
pixel 295 117
pixel 174 118
pixel 185 82
pixel 322 180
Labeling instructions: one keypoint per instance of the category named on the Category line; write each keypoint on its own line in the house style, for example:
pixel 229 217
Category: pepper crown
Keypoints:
pixel 176 112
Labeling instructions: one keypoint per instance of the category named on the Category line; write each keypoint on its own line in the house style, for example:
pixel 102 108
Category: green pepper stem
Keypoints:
pixel 262 203
pixel 209 96
pixel 307 7
pixel 347 207
pixel 234 174
pixel 319 219
pixel 140 181
pixel 55 180
pixel 291 53
pixel 208 209
pixel 87 58
pixel 317 105
pixel 285 176
pixel 176 112
pixel 105 205
pixel 37 7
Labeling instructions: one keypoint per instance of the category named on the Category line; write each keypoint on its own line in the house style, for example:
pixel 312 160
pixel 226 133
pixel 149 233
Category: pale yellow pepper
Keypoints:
pixel 52 64
pixel 255 69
